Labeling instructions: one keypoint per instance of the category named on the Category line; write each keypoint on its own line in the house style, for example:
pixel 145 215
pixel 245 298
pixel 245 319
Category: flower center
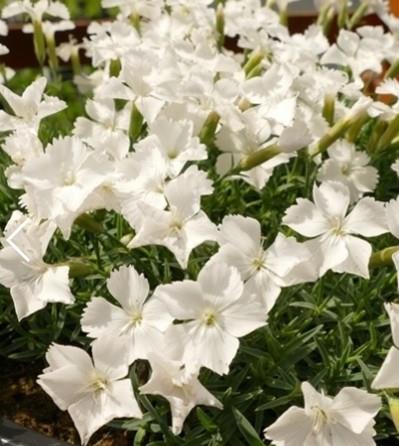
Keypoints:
pixel 136 318
pixel 345 169
pixel 175 226
pixel 99 383
pixel 69 178
pixel 337 226
pixel 320 418
pixel 172 153
pixel 209 318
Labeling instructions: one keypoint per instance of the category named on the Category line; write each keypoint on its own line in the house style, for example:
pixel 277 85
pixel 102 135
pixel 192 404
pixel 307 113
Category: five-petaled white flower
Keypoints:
pixel 346 420
pixel 92 391
pixel 216 311
pixel 334 229
pixel 140 322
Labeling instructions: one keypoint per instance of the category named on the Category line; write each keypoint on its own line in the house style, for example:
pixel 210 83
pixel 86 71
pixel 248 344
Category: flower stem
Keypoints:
pixel 383 257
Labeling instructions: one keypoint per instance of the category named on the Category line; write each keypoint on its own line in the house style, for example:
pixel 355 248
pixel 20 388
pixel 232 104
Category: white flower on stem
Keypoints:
pixel 92 391
pixel 110 41
pixel 175 141
pixel 139 82
pixel 285 263
pixel 388 375
pixel 350 167
pixel 335 230
pixel 395 167
pixel 216 312
pixel 345 420
pixel 238 145
pixel 36 10
pixel 181 228
pixel 181 387
pixel 58 182
pixel 30 108
pixel 107 128
pixel 32 282
pixel 140 321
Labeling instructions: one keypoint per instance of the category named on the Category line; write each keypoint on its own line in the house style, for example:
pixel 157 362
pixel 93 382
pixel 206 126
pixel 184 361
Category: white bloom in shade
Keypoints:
pixel 181 228
pixel 107 128
pixel 58 182
pixel 388 375
pixel 141 322
pixel 216 312
pixel 326 219
pixel 175 142
pixel 350 167
pixel 29 109
pixel 92 391
pixel 395 167
pixel 181 387
pixel 392 214
pixel 32 282
pixel 36 10
pixel 345 420
pixel 285 262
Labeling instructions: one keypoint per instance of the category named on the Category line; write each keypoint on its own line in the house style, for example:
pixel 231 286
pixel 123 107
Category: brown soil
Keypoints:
pixel 25 403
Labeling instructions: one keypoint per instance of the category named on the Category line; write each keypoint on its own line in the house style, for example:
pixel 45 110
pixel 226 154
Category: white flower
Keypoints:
pixel 29 109
pixel 58 182
pixel 32 282
pixel 107 128
pixel 327 220
pixel 92 391
pixel 181 228
pixel 388 375
pixel 36 10
pixel 216 312
pixel 181 387
pixel 350 167
pixel 395 167
pixel 238 145
pixel 140 321
pixel 345 420
pixel 351 51
pixel 285 262
pixel 175 141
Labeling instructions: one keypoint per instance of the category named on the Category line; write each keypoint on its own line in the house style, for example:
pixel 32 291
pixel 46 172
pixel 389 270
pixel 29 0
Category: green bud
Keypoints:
pixel 208 130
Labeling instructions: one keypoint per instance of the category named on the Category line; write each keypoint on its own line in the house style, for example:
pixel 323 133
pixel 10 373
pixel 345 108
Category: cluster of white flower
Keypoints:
pixel 181 96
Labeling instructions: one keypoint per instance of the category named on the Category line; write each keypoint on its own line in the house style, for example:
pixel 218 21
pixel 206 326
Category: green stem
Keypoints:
pixel 220 26
pixel 377 132
pixel 358 15
pixel 329 109
pixel 39 42
pixel 383 257
pixel 253 61
pixel 356 127
pixel 87 222
pixel 389 134
pixel 78 268
pixel 209 127
pixel 257 158
pixel 393 70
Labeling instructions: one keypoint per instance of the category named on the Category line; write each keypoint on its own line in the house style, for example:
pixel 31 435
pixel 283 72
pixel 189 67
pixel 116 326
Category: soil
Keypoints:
pixel 25 403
